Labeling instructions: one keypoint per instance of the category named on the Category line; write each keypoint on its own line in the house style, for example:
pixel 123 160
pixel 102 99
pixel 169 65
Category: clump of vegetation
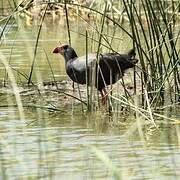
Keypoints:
pixel 150 93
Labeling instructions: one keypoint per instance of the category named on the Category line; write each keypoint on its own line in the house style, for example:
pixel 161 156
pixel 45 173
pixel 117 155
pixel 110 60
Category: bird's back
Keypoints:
pixel 112 67
pixel 79 64
pixel 101 72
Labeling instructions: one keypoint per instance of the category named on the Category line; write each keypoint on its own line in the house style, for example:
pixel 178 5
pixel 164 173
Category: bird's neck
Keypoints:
pixel 70 56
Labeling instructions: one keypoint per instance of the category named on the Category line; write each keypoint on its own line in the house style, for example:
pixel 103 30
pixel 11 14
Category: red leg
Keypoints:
pixel 104 95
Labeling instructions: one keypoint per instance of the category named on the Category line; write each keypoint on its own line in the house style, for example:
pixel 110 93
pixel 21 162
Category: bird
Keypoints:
pixel 95 69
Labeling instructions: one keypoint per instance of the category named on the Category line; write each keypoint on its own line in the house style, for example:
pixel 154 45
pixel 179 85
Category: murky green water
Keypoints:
pixel 57 145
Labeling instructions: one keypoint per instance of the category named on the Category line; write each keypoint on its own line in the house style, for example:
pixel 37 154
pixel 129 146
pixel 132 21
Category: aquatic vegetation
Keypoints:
pixel 52 128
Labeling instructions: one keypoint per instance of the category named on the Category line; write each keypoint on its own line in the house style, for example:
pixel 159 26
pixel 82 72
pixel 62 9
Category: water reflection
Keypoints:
pixel 60 148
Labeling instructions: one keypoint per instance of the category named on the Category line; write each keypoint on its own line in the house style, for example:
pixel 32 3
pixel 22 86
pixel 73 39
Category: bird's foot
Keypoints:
pixel 104 100
pixel 104 95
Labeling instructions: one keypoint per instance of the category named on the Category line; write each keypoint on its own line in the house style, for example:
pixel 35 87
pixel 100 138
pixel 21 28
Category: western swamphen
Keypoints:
pixel 103 70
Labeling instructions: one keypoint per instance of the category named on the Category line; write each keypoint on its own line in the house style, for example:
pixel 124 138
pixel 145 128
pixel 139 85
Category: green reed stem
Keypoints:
pixel 101 31
pixel 51 69
pixel 88 78
pixel 67 23
pixel 36 44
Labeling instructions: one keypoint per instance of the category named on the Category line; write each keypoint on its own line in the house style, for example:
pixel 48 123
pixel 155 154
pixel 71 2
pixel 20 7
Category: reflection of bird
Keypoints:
pixel 103 70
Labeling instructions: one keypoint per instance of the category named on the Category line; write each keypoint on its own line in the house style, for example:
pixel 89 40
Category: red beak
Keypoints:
pixel 57 50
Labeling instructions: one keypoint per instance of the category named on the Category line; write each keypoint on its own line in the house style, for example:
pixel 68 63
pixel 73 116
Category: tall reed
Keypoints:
pixel 156 42
pixel 36 45
pixel 89 98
